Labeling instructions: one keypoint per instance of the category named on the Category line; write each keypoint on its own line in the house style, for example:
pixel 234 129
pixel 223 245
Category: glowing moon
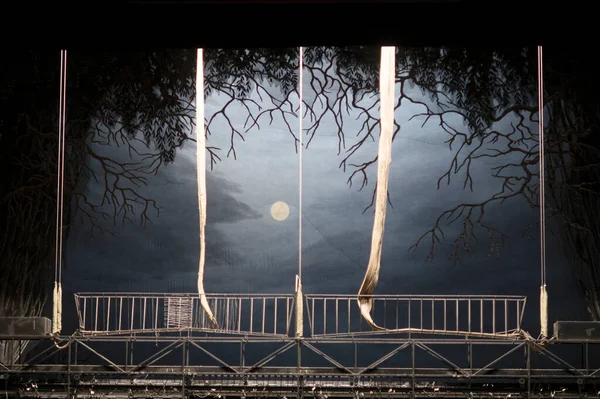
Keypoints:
pixel 280 211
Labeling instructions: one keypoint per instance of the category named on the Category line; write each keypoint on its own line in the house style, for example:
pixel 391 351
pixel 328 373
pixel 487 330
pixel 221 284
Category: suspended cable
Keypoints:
pixel 542 194
pixel 301 145
pixel 201 175
pixel 60 193
pixel 299 296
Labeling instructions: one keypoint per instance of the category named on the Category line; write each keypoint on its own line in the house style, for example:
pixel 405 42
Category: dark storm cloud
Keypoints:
pixel 137 258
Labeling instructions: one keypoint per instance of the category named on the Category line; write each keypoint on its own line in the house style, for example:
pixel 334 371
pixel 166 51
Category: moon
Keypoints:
pixel 280 211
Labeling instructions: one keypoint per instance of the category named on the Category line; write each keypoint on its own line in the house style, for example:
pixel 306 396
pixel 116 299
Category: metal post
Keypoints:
pixel 76 349
pixel 184 363
pixel 300 381
pixel 131 352
pixel 413 365
pixel 470 356
pixel 528 365
pixel 242 354
pixel 69 369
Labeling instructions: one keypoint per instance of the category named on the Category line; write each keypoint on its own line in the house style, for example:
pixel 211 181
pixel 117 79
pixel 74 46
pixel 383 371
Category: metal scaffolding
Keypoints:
pixel 188 366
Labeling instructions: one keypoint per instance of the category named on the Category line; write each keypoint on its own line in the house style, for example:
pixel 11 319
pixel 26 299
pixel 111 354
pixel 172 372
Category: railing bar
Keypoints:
pixel 263 314
pixel 384 312
pixel 469 304
pixel 251 313
pixel 349 318
pixel 397 315
pixel 85 310
pixel 179 311
pixel 108 315
pixel 239 315
pixel 518 314
pixel 120 312
pixel 275 316
pixel 409 309
pixel 324 315
pixel 96 316
pixel 421 311
pixel 445 314
pixel 457 311
pixel 337 314
pixel 217 310
pixel 140 316
pixel 481 316
pixel 433 314
pixel 312 316
pixel 506 317
pixel 144 318
pixel 156 314
pixel 227 304
pixel 132 312
pixel 494 316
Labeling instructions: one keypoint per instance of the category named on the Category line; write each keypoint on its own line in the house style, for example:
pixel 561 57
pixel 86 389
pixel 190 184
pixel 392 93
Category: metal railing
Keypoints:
pixel 144 313
pixel 477 316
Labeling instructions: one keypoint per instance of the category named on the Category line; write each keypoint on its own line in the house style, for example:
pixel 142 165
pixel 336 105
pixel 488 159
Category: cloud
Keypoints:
pixel 140 258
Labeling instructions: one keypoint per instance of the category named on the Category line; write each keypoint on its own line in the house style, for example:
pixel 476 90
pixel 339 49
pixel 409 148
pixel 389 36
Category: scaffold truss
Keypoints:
pixel 218 366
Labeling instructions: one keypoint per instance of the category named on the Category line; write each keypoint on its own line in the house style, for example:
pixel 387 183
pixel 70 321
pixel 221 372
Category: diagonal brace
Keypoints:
pixel 2 365
pixel 555 358
pixel 110 362
pixel 594 373
pixel 214 357
pixel 487 366
pixel 37 359
pixel 157 356
pixel 270 357
pixel 441 358
pixel 327 357
pixel 383 359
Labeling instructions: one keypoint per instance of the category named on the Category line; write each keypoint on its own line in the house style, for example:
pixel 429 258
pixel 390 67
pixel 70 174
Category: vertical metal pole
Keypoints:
pixel 241 363
pixel 470 356
pixel 76 349
pixel 528 361
pixel 183 366
pixel 413 363
pixel 300 390
pixel 69 369
pixel 131 353
pixel 586 358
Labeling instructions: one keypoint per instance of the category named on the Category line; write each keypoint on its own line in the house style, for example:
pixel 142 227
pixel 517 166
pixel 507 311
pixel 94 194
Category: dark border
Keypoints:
pixel 270 23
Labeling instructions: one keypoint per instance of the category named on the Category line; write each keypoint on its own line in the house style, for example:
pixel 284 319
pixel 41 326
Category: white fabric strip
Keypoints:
pixel 201 169
pixel 387 75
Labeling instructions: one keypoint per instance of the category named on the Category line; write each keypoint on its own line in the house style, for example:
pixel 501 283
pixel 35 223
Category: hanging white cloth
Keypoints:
pixel 201 170
pixel 387 75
